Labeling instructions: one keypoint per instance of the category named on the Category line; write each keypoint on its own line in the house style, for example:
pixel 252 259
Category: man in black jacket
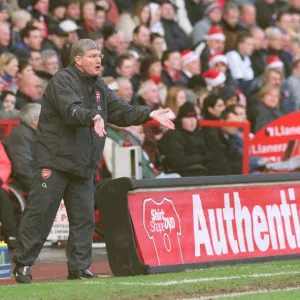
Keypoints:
pixel 76 107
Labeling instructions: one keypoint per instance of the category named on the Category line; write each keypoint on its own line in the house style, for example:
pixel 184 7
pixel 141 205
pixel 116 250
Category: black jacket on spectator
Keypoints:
pixel 19 147
pixel 265 115
pixel 23 99
pixel 194 11
pixel 141 51
pixel 176 38
pixel 183 149
pixel 227 159
pixel 71 100
pixel 204 57
pixel 258 62
pixel 109 61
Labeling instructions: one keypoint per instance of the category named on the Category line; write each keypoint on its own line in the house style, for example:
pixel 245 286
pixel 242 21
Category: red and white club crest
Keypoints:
pixel 46 173
pixel 97 96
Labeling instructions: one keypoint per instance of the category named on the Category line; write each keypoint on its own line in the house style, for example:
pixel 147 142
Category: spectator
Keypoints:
pixel 171 61
pixel 4 16
pixel 157 45
pixel 213 106
pixel 40 10
pixel 284 22
pixel 187 143
pixel 25 70
pixel 30 91
pixel 71 28
pixel 31 40
pixel 125 90
pixel 214 79
pixel 50 61
pixel 148 94
pixel 19 20
pixel 19 145
pixel 125 68
pixel 8 110
pixel 88 12
pixel 4 37
pixel 214 43
pixel 175 99
pixel 100 19
pixel 35 60
pixel 190 67
pixel 57 10
pixel 151 68
pixel 268 109
pixel 293 83
pixel 239 61
pixel 212 17
pixel 230 25
pixel 248 17
pixel 141 41
pixel 258 57
pixel 176 38
pixel 7 216
pixel 229 95
pixel 73 10
pixel 9 67
pixel 275 47
pixel 111 40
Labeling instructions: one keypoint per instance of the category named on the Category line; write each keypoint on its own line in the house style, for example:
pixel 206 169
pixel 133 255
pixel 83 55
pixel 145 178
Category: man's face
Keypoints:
pixel 142 38
pixel 126 69
pixel 34 40
pixel 9 102
pixel 158 45
pixel 274 78
pixel 42 6
pixel 59 41
pixel 89 11
pixel 32 88
pixel 125 90
pixel 231 118
pixel 168 11
pixel 215 15
pixel 249 15
pixel 241 113
pixel 90 62
pixel 259 39
pixel 72 37
pixel 100 19
pixel 215 45
pixel 232 17
pixel 194 67
pixel 36 61
pixel 151 96
pixel 189 124
pixel 4 15
pixel 4 35
pixel 51 65
pixel 174 61
pixel 220 66
pixel 113 41
pixel 73 11
pixel 276 42
pixel 285 23
pixel 217 109
pixel 246 48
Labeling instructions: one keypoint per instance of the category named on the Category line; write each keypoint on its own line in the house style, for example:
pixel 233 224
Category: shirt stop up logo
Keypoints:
pixel 46 173
pixel 162 225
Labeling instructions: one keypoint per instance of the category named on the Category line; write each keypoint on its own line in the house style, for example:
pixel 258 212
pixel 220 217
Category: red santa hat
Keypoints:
pixel 274 61
pixel 215 33
pixel 213 78
pixel 216 58
pixel 187 56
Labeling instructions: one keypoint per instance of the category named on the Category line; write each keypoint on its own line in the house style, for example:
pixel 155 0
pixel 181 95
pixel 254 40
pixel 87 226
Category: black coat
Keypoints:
pixel 66 140
pixel 23 99
pixel 19 147
pixel 183 149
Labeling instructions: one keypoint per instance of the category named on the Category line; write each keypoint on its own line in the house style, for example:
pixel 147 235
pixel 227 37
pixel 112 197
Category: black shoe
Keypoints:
pixel 83 274
pixel 22 274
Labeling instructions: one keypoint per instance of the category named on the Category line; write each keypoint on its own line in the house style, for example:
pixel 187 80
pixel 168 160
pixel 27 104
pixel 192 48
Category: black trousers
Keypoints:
pixel 7 216
pixel 44 199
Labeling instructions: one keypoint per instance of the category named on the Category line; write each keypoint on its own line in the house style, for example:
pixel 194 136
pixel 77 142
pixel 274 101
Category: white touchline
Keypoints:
pixel 204 279
pixel 231 295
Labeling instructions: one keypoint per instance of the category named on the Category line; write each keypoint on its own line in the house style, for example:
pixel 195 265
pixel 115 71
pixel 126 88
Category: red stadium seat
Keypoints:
pixel 6 126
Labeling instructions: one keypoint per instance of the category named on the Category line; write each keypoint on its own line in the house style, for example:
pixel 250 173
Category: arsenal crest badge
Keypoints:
pixel 97 96
pixel 46 173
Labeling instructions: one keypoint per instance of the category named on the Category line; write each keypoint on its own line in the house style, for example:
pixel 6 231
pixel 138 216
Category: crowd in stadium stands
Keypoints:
pixel 234 60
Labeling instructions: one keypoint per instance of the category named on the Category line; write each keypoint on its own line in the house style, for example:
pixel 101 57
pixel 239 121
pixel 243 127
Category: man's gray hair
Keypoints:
pixel 144 87
pixel 80 47
pixel 29 113
pixel 48 53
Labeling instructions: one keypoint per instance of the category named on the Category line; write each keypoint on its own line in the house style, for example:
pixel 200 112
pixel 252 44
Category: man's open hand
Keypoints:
pixel 162 116
pixel 99 126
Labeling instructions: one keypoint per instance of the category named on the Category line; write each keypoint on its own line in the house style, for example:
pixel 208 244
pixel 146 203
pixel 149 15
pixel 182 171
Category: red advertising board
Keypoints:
pixel 279 139
pixel 216 223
